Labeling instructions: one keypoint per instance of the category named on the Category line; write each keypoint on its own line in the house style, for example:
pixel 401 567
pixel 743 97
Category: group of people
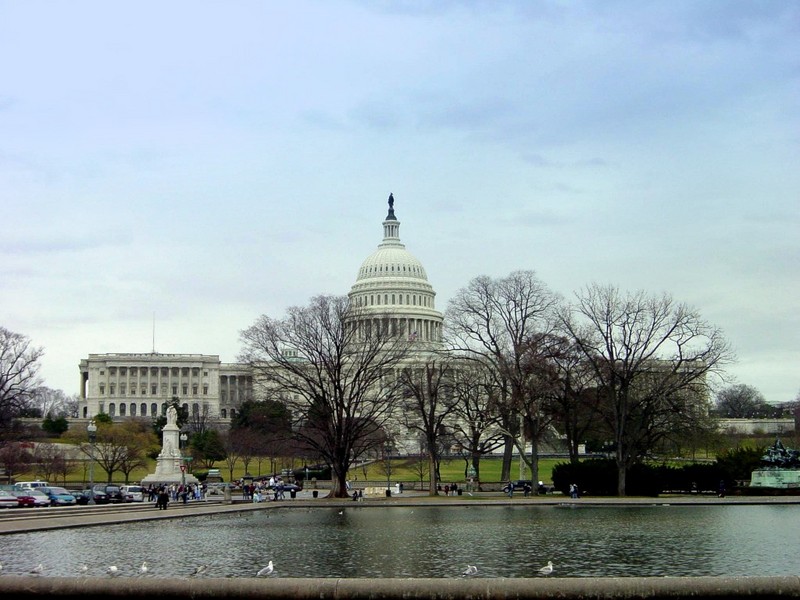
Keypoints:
pixel 164 494
pixel 259 491
pixel 448 489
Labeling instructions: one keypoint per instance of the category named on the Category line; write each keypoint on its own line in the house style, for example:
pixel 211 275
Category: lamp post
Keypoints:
pixel 92 430
pixel 183 437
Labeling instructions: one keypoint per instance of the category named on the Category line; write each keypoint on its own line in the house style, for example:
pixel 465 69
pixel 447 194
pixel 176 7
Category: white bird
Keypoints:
pixel 266 570
pixel 471 570
pixel 200 569
pixel 112 570
pixel 341 512
pixel 37 569
pixel 83 568
pixel 547 569
pixel 143 568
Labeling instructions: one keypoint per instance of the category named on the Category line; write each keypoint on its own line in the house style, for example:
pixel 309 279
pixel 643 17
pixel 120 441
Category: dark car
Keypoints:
pixel 98 493
pixel 522 484
pixel 80 496
pixel 113 492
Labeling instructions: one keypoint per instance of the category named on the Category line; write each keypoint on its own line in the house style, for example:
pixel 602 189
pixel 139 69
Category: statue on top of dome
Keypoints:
pixel 391 216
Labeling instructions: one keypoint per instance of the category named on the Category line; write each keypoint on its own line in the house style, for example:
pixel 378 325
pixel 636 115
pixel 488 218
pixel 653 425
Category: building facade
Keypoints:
pixel 142 385
pixel 390 280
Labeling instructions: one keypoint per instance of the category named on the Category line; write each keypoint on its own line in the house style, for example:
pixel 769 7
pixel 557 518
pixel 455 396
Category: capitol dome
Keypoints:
pixel 392 282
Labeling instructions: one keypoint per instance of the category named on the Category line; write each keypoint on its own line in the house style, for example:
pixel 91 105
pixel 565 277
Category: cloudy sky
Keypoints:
pixel 169 171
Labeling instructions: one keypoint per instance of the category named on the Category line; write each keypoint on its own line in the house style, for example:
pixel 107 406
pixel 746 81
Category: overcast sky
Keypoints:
pixel 184 167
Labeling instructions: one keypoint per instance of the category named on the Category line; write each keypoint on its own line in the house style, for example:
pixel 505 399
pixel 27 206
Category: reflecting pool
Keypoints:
pixel 439 542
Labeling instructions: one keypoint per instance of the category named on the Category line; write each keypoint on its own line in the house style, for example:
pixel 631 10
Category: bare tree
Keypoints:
pixel 15 457
pixel 428 404
pixel 652 360
pixel 52 403
pixel 476 425
pixel 494 321
pixel 334 368
pixel 19 375
pixel 741 402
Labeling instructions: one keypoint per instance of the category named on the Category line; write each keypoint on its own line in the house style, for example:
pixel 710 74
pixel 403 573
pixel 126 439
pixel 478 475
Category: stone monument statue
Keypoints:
pixel 779 471
pixel 169 460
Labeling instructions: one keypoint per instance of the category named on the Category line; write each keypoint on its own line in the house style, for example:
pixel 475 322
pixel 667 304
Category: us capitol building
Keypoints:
pixel 121 385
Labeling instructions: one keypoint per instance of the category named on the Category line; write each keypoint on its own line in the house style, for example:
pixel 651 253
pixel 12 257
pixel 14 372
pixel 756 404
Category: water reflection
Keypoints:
pixel 439 542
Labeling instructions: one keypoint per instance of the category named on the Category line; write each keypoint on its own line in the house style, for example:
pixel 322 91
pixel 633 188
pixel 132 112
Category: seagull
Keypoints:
pixel 143 568
pixel 83 568
pixel 471 570
pixel 112 570
pixel 200 569
pixel 266 570
pixel 37 569
pixel 547 569
pixel 341 512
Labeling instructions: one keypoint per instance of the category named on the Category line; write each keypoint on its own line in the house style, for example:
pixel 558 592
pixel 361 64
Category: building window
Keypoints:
pixel 205 390
pixel 205 373
pixel 185 389
pixel 143 409
pixel 164 371
pixel 123 370
pixel 123 388
pixel 111 389
pixel 112 410
pixel 223 413
pixel 194 390
pixel 153 409
pixel 102 390
pixel 133 410
pixel 174 390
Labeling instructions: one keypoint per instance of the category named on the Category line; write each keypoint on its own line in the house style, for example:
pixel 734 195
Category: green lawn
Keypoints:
pixel 401 470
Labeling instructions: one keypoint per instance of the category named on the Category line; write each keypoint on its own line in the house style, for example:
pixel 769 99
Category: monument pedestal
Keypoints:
pixel 775 479
pixel 169 461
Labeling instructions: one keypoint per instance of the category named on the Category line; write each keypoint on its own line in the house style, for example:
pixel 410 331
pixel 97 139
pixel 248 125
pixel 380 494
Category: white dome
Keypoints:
pixel 392 280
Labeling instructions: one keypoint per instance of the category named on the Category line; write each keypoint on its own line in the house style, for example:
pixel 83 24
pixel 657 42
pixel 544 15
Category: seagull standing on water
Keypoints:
pixel 112 570
pixel 83 568
pixel 143 568
pixel 471 570
pixel 200 569
pixel 266 570
pixel 547 569
pixel 37 569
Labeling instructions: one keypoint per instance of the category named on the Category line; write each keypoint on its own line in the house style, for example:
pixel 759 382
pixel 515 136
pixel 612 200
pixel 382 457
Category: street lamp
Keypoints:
pixel 92 429
pixel 183 438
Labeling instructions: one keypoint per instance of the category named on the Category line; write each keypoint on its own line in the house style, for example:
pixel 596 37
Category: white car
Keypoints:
pixel 133 493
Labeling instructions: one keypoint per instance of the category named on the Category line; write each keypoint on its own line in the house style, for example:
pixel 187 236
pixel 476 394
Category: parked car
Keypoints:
pixel 99 494
pixel 133 493
pixel 24 499
pixel 41 498
pixel 8 500
pixel 520 484
pixel 59 496
pixel 81 497
pixel 27 485
pixel 114 493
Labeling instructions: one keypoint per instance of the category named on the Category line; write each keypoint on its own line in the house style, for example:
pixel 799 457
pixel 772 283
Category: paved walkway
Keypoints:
pixel 40 519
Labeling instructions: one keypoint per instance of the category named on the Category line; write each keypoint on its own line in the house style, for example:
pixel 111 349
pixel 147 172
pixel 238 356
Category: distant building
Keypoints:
pixel 390 279
pixel 142 385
